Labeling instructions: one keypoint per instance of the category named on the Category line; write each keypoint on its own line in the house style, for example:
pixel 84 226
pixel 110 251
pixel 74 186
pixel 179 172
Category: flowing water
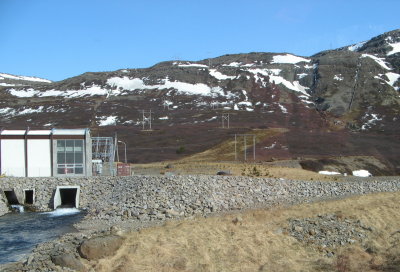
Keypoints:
pixel 21 232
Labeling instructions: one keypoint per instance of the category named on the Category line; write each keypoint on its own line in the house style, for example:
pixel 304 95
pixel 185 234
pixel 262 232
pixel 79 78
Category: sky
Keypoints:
pixel 58 39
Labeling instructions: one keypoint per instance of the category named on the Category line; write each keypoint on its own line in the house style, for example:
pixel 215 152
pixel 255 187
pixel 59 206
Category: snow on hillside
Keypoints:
pixel 27 78
pixel 395 48
pixel 133 84
pixel 273 75
pixel 288 58
pixel 356 46
pixel 9 85
pixel 107 120
pixel 380 61
pixel 188 64
pixel 12 112
pixel 90 91
pixel 219 75
pixel 393 77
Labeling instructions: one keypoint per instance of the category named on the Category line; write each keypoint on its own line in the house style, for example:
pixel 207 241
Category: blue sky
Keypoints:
pixel 57 39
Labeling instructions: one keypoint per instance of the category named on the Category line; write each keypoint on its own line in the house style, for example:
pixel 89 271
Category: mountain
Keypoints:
pixel 335 103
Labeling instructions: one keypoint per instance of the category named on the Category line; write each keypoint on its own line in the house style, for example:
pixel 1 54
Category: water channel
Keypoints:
pixel 21 232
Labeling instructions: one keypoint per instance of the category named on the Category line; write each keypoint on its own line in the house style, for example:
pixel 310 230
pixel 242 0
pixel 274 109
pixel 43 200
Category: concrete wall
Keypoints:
pixel 13 157
pixel 39 157
pixel 153 198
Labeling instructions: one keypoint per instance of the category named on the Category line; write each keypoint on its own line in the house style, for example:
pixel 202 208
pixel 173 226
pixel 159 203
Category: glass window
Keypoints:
pixel 69 145
pixel 70 157
pixel 78 145
pixel 79 157
pixel 60 145
pixel 60 157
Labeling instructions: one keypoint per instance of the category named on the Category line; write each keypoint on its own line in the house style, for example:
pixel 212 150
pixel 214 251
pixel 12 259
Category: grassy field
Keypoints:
pixel 254 241
pixel 235 168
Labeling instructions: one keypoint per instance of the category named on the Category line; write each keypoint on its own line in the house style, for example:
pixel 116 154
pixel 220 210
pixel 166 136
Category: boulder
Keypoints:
pixel 100 247
pixel 68 260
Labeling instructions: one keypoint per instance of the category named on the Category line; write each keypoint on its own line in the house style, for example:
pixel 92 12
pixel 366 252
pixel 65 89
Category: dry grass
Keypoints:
pixel 226 150
pixel 252 243
pixel 237 169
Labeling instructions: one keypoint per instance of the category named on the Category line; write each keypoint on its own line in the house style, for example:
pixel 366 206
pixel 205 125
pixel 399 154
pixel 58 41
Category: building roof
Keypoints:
pixel 54 131
pixel 79 131
pixel 39 132
pixel 13 132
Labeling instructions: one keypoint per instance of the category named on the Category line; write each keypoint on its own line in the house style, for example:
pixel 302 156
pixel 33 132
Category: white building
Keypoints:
pixel 45 153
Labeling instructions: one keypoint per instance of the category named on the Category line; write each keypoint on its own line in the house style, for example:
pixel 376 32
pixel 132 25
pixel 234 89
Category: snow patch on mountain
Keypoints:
pixel 380 61
pixel 181 87
pixel 189 64
pixel 395 48
pixel 10 85
pixel 288 58
pixel 273 77
pixel 13 112
pixel 30 111
pixel 283 109
pixel 23 93
pixel 107 120
pixel 90 91
pixel 338 77
pixel 392 79
pixel 233 64
pixel 356 47
pixel 370 120
pixel 27 78
pixel 219 75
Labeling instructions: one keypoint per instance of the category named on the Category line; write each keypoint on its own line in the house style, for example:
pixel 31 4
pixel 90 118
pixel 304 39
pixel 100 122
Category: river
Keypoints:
pixel 21 232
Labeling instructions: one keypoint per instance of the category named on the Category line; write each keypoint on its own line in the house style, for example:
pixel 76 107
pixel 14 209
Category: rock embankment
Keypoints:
pixel 149 198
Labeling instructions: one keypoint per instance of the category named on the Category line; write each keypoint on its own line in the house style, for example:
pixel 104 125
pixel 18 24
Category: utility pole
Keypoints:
pixel 116 146
pixel 225 118
pixel 235 147
pixel 146 118
pixel 245 145
pixel 125 148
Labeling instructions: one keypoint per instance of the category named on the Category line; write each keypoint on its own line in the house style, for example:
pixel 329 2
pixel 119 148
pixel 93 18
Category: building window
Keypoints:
pixel 70 157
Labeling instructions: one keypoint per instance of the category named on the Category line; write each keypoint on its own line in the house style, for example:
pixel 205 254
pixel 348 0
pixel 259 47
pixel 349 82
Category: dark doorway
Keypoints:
pixel 11 197
pixel 68 197
pixel 29 197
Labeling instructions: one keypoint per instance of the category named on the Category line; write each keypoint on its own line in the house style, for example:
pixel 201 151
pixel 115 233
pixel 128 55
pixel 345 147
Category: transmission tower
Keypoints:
pixel 146 119
pixel 166 104
pixel 245 145
pixel 225 120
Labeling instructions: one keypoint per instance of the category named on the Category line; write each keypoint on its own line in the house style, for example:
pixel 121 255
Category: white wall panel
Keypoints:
pixel 39 158
pixel 13 157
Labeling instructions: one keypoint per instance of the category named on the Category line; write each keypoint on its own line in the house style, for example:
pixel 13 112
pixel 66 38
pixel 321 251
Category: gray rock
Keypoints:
pixel 68 260
pixel 100 247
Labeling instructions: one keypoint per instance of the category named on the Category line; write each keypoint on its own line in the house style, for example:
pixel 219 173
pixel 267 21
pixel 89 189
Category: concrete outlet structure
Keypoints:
pixel 67 196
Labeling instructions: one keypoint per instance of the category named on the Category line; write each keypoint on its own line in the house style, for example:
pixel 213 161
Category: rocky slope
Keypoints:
pixel 352 91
